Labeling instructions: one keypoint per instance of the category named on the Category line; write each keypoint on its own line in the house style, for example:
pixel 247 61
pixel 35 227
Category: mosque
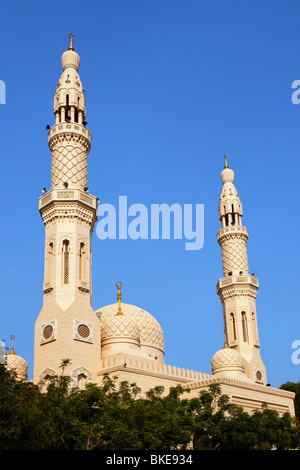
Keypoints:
pixel 121 339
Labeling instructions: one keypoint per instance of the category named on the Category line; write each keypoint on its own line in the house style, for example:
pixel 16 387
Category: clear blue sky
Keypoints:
pixel 170 87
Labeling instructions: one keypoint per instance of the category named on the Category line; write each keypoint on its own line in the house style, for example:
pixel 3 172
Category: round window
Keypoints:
pixel 83 331
pixel 258 375
pixel 48 331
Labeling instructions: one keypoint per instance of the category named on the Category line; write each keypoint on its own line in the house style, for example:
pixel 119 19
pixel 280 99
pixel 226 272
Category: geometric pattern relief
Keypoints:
pixel 227 357
pixel 118 326
pixel 234 255
pixel 150 331
pixel 69 161
pixel 83 331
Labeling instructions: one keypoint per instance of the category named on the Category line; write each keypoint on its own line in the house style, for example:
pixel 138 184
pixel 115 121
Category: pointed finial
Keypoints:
pixel 12 345
pixel 225 158
pixel 72 38
pixel 119 297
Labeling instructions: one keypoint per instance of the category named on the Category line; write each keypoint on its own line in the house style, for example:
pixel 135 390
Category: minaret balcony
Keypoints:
pixel 69 128
pixel 234 280
pixel 237 286
pixel 58 204
pixel 232 230
pixel 64 195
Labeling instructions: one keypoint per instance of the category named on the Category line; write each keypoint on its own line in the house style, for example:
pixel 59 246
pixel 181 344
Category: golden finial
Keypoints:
pixel 12 345
pixel 72 38
pixel 119 297
pixel 225 345
pixel 225 158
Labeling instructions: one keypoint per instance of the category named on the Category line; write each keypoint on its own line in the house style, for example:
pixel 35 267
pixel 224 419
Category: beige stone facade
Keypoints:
pixel 120 339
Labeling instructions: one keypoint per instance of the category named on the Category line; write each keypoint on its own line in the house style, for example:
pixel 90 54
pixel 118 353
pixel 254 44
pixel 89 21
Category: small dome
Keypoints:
pixel 228 362
pixel 18 365
pixel 227 176
pixel 70 59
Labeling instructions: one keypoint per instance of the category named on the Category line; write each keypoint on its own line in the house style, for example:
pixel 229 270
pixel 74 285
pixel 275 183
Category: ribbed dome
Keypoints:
pixel 18 365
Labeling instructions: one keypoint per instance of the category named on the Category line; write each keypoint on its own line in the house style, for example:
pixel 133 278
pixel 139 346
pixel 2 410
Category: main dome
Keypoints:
pixel 118 326
pixel 142 324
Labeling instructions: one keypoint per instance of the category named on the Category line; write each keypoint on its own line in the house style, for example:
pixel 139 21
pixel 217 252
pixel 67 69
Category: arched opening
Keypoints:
pixel 81 377
pixel 68 110
pixel 245 328
pixel 233 215
pixel 232 326
pixel 82 380
pixel 82 262
pixel 66 261
pixel 254 327
pixel 50 261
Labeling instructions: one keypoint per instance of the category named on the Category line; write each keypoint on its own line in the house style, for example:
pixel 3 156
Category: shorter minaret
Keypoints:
pixel 237 289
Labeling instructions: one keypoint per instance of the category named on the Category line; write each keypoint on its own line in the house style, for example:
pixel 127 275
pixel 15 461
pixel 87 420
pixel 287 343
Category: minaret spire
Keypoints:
pixel 119 297
pixel 72 38
pixel 225 158
pixel 237 289
pixel 12 351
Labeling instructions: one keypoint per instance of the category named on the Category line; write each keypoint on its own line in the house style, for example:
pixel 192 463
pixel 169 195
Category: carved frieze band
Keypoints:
pixel 226 293
pixel 69 211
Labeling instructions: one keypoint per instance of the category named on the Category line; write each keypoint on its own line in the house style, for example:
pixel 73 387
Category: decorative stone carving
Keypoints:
pixel 234 252
pixel 118 326
pixel 83 331
pixel 150 332
pixel 48 332
pixel 227 360
pixel 69 159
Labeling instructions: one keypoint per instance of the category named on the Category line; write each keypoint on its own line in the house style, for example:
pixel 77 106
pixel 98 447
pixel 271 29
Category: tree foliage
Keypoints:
pixel 116 417
pixel 294 387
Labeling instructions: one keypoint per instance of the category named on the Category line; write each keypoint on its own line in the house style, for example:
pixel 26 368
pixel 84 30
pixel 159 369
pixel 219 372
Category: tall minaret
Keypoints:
pixel 67 327
pixel 237 289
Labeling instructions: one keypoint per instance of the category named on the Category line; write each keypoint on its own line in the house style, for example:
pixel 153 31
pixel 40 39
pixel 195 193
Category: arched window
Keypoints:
pixel 66 262
pixel 81 377
pixel 68 111
pixel 82 262
pixel 233 215
pixel 245 328
pixel 254 327
pixel 50 261
pixel 81 381
pixel 232 325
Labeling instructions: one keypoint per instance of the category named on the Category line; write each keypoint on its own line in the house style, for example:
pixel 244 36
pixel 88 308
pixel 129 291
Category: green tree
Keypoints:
pixel 218 424
pixel 20 412
pixel 294 387
pixel 60 430
pixel 118 417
